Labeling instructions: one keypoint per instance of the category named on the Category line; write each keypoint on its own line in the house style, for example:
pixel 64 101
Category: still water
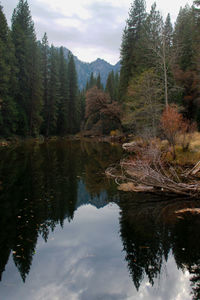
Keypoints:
pixel 67 233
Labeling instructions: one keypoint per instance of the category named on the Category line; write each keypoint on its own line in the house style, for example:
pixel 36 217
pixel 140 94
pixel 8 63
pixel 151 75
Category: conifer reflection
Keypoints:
pixel 39 191
pixel 39 188
pixel 148 236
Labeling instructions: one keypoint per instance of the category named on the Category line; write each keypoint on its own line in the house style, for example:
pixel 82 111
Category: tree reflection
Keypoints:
pixel 39 185
pixel 39 191
pixel 98 158
pixel 148 236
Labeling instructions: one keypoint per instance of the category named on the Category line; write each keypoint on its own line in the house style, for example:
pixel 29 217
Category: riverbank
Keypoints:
pixel 150 167
pixel 121 138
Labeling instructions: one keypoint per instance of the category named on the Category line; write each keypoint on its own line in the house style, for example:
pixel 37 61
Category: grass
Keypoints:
pixel 192 155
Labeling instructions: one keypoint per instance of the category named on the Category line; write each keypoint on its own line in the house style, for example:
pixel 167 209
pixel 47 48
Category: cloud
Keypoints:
pixel 89 28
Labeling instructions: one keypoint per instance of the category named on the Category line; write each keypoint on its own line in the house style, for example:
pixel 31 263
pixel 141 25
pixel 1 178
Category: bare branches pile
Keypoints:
pixel 148 171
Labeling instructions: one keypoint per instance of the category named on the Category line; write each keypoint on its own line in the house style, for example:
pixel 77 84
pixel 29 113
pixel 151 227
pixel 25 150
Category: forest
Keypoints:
pixel 39 93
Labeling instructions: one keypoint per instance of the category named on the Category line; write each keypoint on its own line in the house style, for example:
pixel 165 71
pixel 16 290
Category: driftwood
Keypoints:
pixel 194 170
pixel 148 171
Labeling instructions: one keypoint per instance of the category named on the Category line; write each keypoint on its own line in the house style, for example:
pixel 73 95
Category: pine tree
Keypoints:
pixel 98 82
pixel 168 33
pixel 183 38
pixel 152 37
pixel 74 106
pixel 92 81
pixel 187 45
pixel 116 91
pixel 110 85
pixel 45 66
pixel 63 94
pixel 81 101
pixel 29 96
pixel 158 43
pixel 54 96
pixel 131 52
pixel 8 110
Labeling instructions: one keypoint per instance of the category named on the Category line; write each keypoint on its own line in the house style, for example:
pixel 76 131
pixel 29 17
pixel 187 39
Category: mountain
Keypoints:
pixel 84 69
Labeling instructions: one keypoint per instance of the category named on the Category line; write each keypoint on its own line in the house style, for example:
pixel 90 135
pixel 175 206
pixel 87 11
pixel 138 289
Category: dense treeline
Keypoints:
pixel 159 66
pixel 38 86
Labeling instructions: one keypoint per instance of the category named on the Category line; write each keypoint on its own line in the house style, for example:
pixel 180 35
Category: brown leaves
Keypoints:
pixel 173 123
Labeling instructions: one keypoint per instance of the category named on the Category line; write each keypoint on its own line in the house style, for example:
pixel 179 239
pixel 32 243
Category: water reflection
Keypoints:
pixel 49 184
pixel 39 189
pixel 151 231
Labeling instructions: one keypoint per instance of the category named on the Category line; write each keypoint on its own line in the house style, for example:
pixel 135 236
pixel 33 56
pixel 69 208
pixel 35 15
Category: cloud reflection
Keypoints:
pixel 84 261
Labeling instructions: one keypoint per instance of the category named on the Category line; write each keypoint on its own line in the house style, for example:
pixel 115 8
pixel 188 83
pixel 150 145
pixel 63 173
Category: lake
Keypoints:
pixel 66 232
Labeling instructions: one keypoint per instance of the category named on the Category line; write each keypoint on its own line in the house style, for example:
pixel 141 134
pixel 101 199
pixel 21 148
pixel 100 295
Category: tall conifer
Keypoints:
pixel 63 94
pixel 8 109
pixel 74 107
pixel 53 99
pixel 29 95
pixel 131 52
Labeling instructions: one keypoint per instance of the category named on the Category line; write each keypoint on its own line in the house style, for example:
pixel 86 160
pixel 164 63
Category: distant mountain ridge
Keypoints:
pixel 84 69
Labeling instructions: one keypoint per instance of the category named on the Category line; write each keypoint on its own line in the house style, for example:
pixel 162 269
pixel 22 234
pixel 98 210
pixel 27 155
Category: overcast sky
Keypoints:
pixel 89 28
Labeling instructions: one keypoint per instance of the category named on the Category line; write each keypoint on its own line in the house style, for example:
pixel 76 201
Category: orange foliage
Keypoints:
pixel 99 102
pixel 171 123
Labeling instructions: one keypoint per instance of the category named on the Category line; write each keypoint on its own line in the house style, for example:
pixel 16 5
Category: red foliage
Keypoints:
pixel 99 102
pixel 173 123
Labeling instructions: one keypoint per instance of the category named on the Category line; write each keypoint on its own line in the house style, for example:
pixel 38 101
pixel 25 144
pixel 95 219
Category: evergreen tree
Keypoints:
pixel 183 38
pixel 110 85
pixel 168 33
pixel 29 96
pixel 81 101
pixel 74 106
pixel 45 65
pixel 131 52
pixel 53 99
pixel 116 91
pixel 98 82
pixel 187 45
pixel 8 110
pixel 92 81
pixel 152 37
pixel 64 94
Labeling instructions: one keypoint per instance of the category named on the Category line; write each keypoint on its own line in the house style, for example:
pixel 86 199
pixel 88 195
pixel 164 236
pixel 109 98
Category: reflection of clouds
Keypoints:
pixel 84 261
pixel 172 284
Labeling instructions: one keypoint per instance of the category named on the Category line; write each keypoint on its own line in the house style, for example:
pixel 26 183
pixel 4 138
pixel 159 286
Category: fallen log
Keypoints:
pixel 148 172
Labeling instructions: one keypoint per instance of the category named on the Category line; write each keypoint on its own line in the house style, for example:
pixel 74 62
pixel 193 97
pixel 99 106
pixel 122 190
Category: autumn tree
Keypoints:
pixel 101 115
pixel 171 123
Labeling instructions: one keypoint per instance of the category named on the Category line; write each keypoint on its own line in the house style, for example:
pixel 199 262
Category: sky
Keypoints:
pixel 91 29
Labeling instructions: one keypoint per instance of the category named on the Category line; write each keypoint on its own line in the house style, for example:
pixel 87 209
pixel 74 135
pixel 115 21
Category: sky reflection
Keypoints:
pixel 84 261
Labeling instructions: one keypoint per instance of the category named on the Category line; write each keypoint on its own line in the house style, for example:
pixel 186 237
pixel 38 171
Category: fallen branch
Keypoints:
pixel 149 172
